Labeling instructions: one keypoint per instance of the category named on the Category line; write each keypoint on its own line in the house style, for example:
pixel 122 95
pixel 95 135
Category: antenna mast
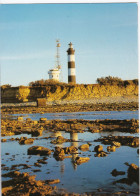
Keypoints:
pixel 58 66
pixel 58 54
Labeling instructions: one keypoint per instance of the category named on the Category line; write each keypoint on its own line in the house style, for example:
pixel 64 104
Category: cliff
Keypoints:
pixel 66 92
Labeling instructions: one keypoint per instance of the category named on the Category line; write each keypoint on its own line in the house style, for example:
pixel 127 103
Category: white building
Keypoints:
pixel 54 74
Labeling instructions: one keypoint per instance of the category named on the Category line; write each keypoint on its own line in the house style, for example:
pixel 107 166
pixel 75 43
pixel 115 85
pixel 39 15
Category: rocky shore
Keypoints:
pixel 35 128
pixel 22 183
pixel 103 104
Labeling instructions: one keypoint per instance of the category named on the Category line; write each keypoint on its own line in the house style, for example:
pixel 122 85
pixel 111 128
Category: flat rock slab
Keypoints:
pixel 39 150
pixel 23 141
pixel 55 181
pixel 116 173
pixel 119 140
pixel 80 160
pixel 22 184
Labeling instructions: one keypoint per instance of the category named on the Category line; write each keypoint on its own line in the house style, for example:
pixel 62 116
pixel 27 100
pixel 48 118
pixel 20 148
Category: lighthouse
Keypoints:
pixel 71 65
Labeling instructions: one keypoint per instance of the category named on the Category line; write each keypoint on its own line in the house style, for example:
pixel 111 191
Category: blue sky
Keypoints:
pixel 104 37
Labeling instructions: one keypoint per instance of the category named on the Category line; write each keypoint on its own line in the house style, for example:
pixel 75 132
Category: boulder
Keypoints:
pixel 26 141
pixel 133 172
pixel 37 132
pixel 80 160
pixel 59 140
pixel 98 148
pixel 70 150
pixel 117 144
pixel 84 147
pixel 59 152
pixel 39 150
pixel 135 142
pixel 3 140
pixel 111 148
pixel 101 154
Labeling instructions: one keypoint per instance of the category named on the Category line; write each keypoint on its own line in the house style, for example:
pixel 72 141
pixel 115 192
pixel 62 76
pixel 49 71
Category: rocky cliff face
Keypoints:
pixel 66 92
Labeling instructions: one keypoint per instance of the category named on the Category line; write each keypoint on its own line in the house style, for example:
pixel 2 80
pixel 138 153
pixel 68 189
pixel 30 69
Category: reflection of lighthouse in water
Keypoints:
pixel 74 138
pixel 62 165
pixel 56 134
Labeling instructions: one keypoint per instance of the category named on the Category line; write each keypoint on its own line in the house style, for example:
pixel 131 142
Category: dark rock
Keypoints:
pixel 111 148
pixel 98 148
pixel 80 160
pixel 55 181
pixel 101 154
pixel 116 173
pixel 59 151
pixel 37 165
pixel 3 140
pixel 12 139
pixel 123 140
pixel 89 143
pixel 133 172
pixel 39 150
pixel 117 144
pixel 59 140
pixel 70 150
pixel 42 161
pixel 84 147
pixel 26 141
pixel 36 170
pixel 43 120
pixel 37 132
pixel 24 184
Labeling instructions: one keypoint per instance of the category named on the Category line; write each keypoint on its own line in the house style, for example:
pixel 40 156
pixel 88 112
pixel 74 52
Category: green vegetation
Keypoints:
pixel 109 80
pixel 43 82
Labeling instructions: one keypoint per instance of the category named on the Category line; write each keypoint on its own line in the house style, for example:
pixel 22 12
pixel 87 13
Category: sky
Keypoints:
pixel 104 37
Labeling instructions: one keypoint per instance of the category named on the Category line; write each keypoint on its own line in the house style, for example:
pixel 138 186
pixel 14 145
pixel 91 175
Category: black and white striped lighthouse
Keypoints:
pixel 71 65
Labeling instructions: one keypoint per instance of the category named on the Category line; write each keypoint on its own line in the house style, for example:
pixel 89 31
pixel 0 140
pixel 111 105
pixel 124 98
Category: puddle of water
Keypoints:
pixel 116 115
pixel 82 178
pixel 86 177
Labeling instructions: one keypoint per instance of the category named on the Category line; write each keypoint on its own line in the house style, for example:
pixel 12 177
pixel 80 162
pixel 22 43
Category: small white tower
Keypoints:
pixel 54 73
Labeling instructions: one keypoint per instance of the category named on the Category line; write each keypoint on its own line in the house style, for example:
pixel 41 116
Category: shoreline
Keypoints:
pixel 96 104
